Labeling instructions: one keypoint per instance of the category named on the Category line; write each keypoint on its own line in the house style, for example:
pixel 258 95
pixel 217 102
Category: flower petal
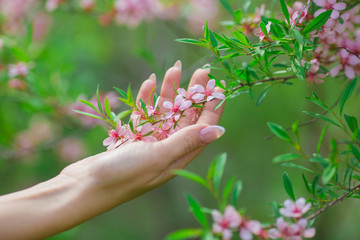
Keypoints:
pixel 318 12
pixel 211 84
pixel 168 105
pixel 339 6
pixel 320 3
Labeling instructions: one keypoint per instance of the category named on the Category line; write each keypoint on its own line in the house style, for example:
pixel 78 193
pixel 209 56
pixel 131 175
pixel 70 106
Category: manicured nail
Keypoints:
pixel 209 134
pixel 153 77
pixel 178 64
pixel 206 65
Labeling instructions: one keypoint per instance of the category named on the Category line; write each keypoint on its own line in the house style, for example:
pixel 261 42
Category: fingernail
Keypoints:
pixel 210 134
pixel 178 64
pixel 153 77
pixel 206 65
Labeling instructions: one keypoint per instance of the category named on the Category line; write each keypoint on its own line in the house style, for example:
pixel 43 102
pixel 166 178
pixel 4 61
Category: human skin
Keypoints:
pixel 101 182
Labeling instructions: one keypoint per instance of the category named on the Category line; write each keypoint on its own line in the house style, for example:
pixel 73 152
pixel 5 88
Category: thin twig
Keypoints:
pixel 339 199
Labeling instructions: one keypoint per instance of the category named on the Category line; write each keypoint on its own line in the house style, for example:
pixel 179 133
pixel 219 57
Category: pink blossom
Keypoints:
pixel 141 133
pixel 262 35
pixel 298 13
pixel 347 62
pixel 351 17
pixel 208 92
pixel 52 5
pixel 248 228
pixel 41 25
pixel 132 12
pixel 17 84
pixel 189 95
pixel 291 232
pixel 329 5
pixel 295 209
pixel 175 109
pixel 164 130
pixel 201 11
pixel 116 136
pixel 225 223
pixel 154 110
pixel 312 76
pixel 19 69
pixel 71 149
pixel 87 5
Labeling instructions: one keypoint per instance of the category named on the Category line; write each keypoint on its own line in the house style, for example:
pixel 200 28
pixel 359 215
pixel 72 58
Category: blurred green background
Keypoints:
pixel 79 54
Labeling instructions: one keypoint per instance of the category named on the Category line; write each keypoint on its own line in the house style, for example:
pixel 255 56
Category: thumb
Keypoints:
pixel 189 139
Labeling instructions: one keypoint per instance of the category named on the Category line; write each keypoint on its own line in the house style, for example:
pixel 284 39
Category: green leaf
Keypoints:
pixel 286 157
pixel 196 210
pixel 288 186
pixel 219 170
pixel 227 6
pixel 131 101
pixel 262 96
pixel 191 176
pixel 185 234
pixel 346 94
pixel 321 138
pixel 219 84
pixel 285 10
pixel 29 35
pixel 121 92
pixel 227 188
pixel 328 173
pixel 236 192
pixel 143 107
pixel 98 100
pixel 356 153
pixel 297 35
pixel 213 41
pixel 317 22
pixel 319 116
pixel 123 114
pixel 307 184
pixel 89 114
pixel 298 69
pixel 275 209
pixel 107 108
pixel 279 132
pixel 206 32
pixel 89 104
pixel 293 165
pixel 264 30
pixel 314 184
pixel 318 102
pixel 190 41
pixel 352 123
pixel 241 38
pixel 238 15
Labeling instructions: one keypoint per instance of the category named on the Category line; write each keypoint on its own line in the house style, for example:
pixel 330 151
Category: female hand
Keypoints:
pixel 96 184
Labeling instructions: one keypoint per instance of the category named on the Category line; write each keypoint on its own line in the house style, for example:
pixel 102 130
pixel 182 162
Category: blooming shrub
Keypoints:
pixel 258 50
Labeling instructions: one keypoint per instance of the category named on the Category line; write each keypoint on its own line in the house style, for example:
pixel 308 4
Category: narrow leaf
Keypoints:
pixel 319 116
pixel 185 234
pixel 286 157
pixel 288 186
pixel 191 176
pixel 346 94
pixel 279 132
pixel 317 22
pixel 196 210
pixel 236 192
pixel 89 114
pixel 285 10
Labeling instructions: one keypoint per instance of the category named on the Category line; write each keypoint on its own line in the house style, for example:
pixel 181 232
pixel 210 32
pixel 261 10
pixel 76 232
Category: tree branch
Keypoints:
pixel 339 199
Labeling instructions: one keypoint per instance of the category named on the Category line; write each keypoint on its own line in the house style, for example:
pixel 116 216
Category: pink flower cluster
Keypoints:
pixel 293 231
pixel 148 124
pixel 339 35
pixel 339 39
pixel 231 221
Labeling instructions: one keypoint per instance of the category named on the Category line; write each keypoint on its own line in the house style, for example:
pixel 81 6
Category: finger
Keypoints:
pixel 209 115
pixel 200 76
pixel 186 141
pixel 147 90
pixel 171 80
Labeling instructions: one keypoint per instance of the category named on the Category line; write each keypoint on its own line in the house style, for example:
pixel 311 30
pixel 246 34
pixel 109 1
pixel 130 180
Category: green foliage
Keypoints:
pixel 317 22
pixel 288 186
pixel 346 94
